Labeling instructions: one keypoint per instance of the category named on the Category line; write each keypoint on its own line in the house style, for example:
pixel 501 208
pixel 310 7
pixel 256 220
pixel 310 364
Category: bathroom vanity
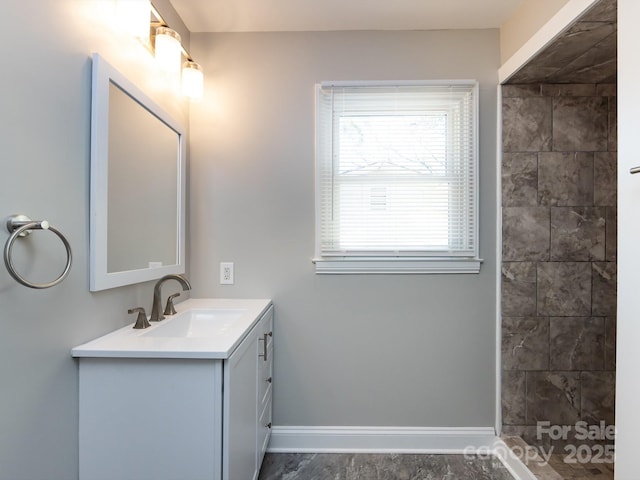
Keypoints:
pixel 187 398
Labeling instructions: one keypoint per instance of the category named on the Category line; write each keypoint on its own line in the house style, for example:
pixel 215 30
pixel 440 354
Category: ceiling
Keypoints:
pixel 327 15
pixel 585 53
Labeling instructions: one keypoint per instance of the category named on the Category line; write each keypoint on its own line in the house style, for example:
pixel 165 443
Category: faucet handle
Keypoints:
pixel 141 321
pixel 170 309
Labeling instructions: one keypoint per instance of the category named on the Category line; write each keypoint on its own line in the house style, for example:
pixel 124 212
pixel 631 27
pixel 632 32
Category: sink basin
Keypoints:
pixel 202 328
pixel 197 323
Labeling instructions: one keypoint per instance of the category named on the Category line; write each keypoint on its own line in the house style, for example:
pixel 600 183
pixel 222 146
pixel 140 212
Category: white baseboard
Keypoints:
pixel 480 440
pixel 379 439
pixel 510 460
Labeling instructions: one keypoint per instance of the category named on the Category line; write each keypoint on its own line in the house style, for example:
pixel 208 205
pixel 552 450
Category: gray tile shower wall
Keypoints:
pixel 559 256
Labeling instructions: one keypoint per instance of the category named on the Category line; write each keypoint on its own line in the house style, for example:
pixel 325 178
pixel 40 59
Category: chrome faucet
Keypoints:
pixel 156 310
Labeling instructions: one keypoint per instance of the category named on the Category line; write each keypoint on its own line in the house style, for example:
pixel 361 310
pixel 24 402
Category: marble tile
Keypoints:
pixel 613 125
pixel 598 397
pixel 533 73
pixel 599 469
pixel 610 343
pixel 526 124
pixel 569 89
pixel 602 11
pixel 527 90
pixel 528 433
pixel 573 43
pixel 607 89
pixel 553 397
pixel 513 397
pixel 604 293
pixel 575 288
pixel 518 288
pixel 578 233
pixel 576 343
pixel 580 124
pixel 565 179
pixel 519 179
pixel 525 233
pixel 525 343
pixel 605 172
pixel 371 466
pixel 564 289
pixel 611 248
pixel 598 64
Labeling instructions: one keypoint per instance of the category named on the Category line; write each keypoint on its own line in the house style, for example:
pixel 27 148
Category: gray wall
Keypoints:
pixel 44 139
pixel 379 350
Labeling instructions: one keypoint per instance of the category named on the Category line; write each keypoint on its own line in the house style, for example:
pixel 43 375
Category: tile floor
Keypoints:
pixel 559 466
pixel 361 466
pixel 581 471
pixel 330 466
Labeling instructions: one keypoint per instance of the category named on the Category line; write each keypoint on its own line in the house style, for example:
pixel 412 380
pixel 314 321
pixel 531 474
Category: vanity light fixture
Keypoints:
pixel 169 52
pixel 141 19
pixel 133 17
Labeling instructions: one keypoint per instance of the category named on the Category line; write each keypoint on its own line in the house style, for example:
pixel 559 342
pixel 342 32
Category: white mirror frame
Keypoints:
pixel 100 279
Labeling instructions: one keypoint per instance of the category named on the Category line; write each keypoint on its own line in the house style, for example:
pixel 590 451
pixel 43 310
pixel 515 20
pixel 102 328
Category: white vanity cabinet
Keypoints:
pixel 247 392
pixel 155 417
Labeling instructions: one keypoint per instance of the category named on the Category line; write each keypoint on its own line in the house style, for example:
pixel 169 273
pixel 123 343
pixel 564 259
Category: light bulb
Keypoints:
pixel 192 80
pixel 168 49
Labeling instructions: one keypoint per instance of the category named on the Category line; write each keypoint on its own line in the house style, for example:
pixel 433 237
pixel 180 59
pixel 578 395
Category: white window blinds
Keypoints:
pixel 397 170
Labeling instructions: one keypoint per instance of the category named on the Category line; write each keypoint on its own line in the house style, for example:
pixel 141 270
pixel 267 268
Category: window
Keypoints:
pixel 396 178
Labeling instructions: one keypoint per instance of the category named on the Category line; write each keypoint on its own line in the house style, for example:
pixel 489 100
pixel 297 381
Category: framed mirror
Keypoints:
pixel 137 211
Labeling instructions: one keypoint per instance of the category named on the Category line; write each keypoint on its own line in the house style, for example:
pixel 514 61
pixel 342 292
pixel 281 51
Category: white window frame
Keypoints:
pixel 397 262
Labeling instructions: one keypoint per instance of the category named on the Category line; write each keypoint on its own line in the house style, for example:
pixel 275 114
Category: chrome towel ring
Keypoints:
pixel 21 226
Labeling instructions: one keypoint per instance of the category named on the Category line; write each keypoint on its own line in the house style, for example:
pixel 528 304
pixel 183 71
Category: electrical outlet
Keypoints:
pixel 226 273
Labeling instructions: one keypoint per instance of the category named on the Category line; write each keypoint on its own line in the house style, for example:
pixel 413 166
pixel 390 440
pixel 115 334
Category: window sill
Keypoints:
pixel 395 265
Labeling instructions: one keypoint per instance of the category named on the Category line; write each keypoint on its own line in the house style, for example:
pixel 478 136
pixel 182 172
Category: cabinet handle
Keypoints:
pixel 268 425
pixel 634 170
pixel 265 337
pixel 269 380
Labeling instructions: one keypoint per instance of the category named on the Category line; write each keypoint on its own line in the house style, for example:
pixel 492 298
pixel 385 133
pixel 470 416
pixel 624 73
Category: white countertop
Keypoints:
pixel 127 342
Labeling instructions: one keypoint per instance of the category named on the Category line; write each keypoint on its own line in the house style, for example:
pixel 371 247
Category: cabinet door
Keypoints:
pixel 239 424
pixel 150 419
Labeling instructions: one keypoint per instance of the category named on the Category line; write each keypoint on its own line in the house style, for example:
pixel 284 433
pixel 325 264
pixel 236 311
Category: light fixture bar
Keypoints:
pixel 155 13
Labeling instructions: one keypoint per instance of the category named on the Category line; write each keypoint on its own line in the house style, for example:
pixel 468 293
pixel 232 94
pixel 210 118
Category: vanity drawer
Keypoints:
pixel 265 379
pixel 264 430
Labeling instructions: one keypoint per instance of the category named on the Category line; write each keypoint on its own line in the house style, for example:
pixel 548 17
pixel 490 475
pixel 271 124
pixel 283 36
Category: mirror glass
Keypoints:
pixel 137 184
